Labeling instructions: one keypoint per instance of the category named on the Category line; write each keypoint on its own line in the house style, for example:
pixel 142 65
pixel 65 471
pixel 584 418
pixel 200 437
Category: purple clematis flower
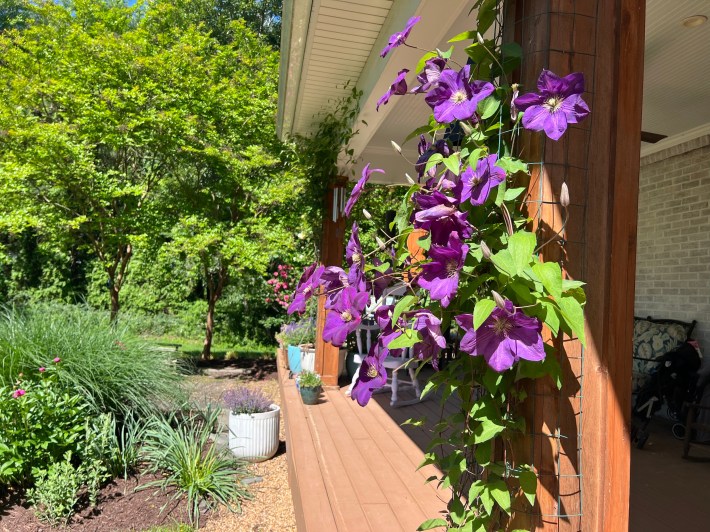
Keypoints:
pixel 455 97
pixel 353 251
pixel 441 275
pixel 504 338
pixel 372 375
pixel 475 185
pixel 558 103
pixel 334 280
pixel 429 77
pixel 306 287
pixel 398 88
pixel 429 326
pixel 440 216
pixel 359 186
pixel 397 39
pixel 345 315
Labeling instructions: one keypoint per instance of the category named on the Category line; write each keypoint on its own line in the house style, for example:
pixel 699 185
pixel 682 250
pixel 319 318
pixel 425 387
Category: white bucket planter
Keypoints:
pixel 254 437
pixel 308 358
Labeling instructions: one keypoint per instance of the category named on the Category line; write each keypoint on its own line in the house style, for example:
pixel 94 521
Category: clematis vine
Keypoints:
pixel 441 275
pixel 399 38
pixel 455 97
pixel 457 254
pixel 558 103
pixel 307 286
pixel 359 187
pixel 440 216
pixel 398 88
pixel 429 327
pixel 475 185
pixel 345 315
pixel 506 336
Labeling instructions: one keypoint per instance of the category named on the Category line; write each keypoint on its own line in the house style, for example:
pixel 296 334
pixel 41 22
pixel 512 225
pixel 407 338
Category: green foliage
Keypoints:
pixel 309 379
pixel 56 492
pixel 39 427
pixel 115 371
pixel 192 464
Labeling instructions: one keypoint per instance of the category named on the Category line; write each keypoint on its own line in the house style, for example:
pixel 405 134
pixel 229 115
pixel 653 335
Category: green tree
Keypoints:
pixel 107 116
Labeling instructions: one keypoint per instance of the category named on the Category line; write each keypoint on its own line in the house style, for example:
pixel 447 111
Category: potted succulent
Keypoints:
pixel 300 337
pixel 310 385
pixel 253 424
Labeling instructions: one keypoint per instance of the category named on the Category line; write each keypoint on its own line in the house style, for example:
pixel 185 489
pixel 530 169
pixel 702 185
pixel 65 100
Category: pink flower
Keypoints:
pixel 57 360
pixel 268 300
pixel 42 369
pixel 18 393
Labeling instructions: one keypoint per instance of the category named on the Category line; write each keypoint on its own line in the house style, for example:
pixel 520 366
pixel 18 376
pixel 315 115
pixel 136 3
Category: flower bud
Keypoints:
pixel 506 218
pixel 500 302
pixel 410 180
pixel 466 127
pixel 367 214
pixel 564 195
pixel 479 37
pixel 485 250
pixel 396 147
pixel 380 243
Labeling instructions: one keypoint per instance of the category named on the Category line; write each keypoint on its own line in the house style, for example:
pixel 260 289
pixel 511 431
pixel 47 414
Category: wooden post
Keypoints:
pixel 332 249
pixel 580 435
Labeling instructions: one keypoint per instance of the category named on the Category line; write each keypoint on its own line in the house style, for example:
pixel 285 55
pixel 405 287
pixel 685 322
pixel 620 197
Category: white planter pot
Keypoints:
pixel 254 437
pixel 308 358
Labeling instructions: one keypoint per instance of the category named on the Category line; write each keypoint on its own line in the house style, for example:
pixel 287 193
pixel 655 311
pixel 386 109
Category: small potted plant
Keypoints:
pixel 310 386
pixel 253 424
pixel 300 337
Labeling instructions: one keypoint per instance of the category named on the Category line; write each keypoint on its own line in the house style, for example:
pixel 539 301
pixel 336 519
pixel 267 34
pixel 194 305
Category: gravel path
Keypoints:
pixel 271 508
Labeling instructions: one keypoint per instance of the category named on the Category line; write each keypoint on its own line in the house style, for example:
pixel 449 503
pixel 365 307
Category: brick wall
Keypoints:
pixel 673 256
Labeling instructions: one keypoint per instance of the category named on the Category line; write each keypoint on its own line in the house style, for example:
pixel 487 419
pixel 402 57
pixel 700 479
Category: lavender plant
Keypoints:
pixel 483 284
pixel 244 400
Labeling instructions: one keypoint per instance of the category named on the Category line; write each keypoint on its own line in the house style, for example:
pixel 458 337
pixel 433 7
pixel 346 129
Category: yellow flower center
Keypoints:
pixel 459 97
pixel 357 258
pixel 346 316
pixel 372 372
pixel 554 103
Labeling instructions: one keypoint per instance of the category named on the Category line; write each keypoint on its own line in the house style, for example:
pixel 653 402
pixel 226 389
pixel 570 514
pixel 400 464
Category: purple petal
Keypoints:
pixel 556 125
pixel 527 100
pixel 501 359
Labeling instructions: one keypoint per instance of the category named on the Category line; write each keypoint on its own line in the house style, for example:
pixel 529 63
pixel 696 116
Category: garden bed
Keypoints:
pixel 120 508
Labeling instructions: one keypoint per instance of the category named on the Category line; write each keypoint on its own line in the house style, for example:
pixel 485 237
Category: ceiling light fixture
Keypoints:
pixel 695 21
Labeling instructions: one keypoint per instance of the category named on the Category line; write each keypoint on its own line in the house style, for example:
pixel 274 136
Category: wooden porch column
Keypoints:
pixel 332 249
pixel 580 436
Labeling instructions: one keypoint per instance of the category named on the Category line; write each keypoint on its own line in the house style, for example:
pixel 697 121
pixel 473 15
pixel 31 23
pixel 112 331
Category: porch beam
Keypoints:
pixel 332 249
pixel 580 436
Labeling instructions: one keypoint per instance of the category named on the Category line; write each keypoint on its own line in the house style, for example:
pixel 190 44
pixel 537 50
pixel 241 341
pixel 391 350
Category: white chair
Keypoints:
pixel 366 334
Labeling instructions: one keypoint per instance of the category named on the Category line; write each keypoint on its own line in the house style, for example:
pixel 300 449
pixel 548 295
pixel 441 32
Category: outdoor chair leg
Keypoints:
pixel 692 412
pixel 415 381
pixel 395 384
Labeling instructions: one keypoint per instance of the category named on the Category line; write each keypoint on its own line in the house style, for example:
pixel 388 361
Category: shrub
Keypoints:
pixel 299 332
pixel 114 370
pixel 41 420
pixel 244 400
pixel 56 492
pixel 192 465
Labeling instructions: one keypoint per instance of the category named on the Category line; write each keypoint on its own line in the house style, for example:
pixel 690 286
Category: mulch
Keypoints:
pixel 122 509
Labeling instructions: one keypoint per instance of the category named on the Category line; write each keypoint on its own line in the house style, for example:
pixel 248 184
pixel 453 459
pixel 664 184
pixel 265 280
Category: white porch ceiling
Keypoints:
pixel 328 43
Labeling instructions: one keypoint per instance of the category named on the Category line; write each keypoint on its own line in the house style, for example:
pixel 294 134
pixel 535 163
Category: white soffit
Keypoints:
pixel 676 70
pixel 327 44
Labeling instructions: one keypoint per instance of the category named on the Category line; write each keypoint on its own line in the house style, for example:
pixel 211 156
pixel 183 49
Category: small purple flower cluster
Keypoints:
pixel 244 400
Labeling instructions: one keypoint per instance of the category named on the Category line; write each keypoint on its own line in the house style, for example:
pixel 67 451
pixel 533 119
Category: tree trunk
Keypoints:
pixel 115 303
pixel 209 329
pixel 215 285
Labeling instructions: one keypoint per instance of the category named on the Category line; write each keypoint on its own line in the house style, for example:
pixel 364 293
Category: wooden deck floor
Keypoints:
pixel 353 468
